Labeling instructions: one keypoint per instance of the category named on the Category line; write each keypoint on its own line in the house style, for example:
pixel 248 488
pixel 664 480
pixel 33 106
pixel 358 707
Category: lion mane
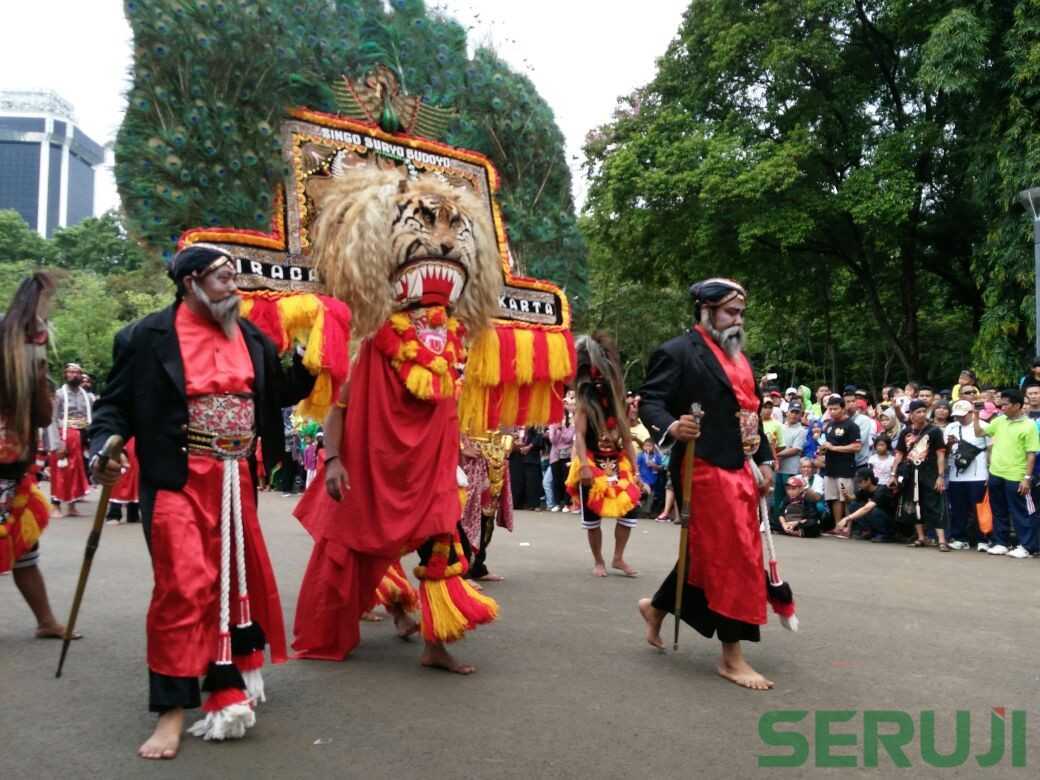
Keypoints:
pixel 356 243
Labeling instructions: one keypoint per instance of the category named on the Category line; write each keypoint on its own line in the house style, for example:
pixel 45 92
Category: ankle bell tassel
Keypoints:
pixel 228 708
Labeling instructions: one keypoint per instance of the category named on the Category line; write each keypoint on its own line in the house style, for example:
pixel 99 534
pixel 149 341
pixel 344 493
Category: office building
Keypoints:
pixel 47 164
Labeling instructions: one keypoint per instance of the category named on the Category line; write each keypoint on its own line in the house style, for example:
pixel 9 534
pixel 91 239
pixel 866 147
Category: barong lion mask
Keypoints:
pixel 384 242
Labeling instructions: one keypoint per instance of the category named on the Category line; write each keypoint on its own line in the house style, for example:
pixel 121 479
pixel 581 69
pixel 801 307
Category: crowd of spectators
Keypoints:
pixel 952 469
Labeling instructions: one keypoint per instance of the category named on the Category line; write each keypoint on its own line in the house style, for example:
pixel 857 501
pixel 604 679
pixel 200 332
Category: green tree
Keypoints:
pixel 211 82
pixel 97 244
pixel 19 242
pixel 839 156
pixel 104 282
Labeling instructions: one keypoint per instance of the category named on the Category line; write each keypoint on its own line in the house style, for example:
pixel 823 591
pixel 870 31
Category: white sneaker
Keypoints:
pixel 955 545
pixel 983 547
pixel 997 549
pixel 1019 552
pixel 566 510
pixel 555 509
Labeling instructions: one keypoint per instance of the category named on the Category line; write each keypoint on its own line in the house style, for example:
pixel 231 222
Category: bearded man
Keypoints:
pixel 71 417
pixel 725 586
pixel 195 386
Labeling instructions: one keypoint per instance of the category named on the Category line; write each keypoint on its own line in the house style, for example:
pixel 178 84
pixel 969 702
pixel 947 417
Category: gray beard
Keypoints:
pixel 731 340
pixel 223 312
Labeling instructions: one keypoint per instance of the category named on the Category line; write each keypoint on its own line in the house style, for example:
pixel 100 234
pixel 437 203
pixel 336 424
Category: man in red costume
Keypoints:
pixel 195 385
pixel 72 415
pixel 725 589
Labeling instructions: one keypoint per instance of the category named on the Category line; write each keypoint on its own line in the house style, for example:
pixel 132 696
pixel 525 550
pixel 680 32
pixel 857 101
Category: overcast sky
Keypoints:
pixel 580 54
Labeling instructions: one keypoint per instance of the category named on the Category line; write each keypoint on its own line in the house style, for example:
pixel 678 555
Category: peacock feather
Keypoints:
pixel 211 80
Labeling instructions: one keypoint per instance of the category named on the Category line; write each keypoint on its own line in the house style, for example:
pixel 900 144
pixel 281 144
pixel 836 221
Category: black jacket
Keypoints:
pixel 680 372
pixel 145 397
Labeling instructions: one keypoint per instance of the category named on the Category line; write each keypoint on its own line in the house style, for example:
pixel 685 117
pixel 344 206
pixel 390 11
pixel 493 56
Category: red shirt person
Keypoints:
pixel 195 385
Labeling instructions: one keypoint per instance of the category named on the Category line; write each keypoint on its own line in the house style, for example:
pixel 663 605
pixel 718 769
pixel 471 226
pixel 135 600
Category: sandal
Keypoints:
pixel 944 547
pixel 916 543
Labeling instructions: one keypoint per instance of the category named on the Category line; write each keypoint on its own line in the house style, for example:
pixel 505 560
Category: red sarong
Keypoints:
pixel 69 482
pixel 183 617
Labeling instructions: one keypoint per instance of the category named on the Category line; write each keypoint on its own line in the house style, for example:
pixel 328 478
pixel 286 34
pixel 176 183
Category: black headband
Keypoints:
pixel 195 259
pixel 716 292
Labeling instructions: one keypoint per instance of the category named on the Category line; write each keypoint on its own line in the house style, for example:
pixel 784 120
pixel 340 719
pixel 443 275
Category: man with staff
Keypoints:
pixel 194 386
pixel 724 591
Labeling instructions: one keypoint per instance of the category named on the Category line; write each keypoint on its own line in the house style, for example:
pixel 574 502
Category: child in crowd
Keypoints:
pixel 882 460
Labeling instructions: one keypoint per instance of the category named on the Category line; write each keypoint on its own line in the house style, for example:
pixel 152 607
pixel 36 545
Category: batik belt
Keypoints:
pixel 221 426
pixel 78 423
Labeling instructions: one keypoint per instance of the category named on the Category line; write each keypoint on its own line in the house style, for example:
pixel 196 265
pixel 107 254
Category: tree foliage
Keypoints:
pixel 855 162
pixel 212 79
pixel 104 282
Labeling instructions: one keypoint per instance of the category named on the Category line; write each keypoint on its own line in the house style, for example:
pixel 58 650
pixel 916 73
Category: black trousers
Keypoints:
pixel 559 472
pixel 478 568
pixel 695 613
pixel 526 483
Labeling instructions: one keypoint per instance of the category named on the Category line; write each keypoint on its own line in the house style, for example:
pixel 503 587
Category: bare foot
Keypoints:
pixel 55 631
pixel 405 624
pixel 491 578
pixel 621 566
pixel 599 570
pixel 436 656
pixel 654 618
pixel 166 739
pixel 371 617
pixel 73 511
pixel 741 673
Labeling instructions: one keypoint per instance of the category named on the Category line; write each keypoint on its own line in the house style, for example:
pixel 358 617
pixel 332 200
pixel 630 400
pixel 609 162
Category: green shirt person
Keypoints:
pixel 1015 442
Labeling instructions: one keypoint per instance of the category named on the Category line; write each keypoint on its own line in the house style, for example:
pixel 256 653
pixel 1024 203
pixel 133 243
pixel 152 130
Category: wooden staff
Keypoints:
pixel 111 451
pixel 683 518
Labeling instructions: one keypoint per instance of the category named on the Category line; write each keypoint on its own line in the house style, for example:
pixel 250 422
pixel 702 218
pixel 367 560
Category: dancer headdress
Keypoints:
pixel 598 384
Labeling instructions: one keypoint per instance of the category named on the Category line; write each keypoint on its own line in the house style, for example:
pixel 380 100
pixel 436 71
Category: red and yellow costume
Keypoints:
pixel 404 494
pixel 24 513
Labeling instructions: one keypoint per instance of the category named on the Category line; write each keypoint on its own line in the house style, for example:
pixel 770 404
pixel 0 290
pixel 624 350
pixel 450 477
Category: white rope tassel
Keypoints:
pixel 254 679
pixel 230 722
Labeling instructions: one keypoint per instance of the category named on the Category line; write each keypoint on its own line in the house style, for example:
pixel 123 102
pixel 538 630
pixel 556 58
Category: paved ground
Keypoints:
pixel 566 688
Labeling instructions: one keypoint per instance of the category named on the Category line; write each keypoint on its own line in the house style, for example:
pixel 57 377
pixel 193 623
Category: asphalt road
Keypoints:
pixel 566 685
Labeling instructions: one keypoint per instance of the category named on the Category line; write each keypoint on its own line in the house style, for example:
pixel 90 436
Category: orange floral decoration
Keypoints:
pixel 427 374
